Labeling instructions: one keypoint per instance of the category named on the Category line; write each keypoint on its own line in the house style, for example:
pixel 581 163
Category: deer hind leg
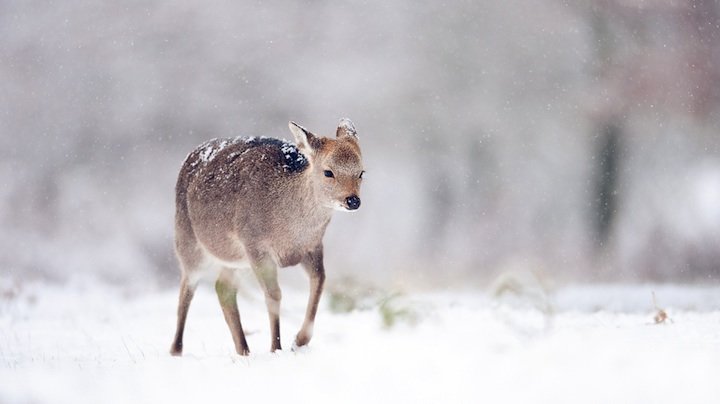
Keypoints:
pixel 313 265
pixel 187 290
pixel 266 273
pixel 227 295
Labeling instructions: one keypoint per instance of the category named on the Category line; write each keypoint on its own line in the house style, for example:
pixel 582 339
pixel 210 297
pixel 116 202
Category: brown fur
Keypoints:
pixel 262 204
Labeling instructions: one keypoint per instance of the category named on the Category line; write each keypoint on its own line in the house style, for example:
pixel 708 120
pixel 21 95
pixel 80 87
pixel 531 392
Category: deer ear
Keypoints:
pixel 304 138
pixel 346 128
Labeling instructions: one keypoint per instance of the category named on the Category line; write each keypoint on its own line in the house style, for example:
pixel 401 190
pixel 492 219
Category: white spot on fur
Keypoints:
pixel 211 149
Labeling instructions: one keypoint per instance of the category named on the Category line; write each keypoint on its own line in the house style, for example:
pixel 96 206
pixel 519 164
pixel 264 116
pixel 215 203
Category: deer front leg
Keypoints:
pixel 313 265
pixel 266 273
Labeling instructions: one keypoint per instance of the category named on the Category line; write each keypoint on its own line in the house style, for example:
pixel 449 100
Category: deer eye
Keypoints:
pixel 361 174
pixel 328 173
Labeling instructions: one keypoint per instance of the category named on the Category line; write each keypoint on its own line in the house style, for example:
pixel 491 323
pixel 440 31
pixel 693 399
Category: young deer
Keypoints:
pixel 261 203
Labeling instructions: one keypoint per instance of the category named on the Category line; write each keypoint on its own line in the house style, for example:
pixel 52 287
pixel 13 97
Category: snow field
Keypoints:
pixel 82 345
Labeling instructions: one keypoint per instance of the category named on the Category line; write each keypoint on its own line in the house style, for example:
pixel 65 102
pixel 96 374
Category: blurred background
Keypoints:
pixel 574 139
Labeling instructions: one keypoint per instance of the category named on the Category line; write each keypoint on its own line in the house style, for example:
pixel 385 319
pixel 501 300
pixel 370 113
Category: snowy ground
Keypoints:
pixel 599 344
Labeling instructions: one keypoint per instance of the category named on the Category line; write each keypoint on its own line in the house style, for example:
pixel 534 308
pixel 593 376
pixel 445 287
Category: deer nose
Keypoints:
pixel 353 202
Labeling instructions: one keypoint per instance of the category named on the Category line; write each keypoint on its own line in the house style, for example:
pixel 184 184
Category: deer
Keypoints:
pixel 261 203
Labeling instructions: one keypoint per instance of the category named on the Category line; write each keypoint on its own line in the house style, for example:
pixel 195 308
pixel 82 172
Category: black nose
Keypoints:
pixel 353 202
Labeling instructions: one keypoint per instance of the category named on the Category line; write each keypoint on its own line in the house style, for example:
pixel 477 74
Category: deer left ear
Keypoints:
pixel 304 138
pixel 346 128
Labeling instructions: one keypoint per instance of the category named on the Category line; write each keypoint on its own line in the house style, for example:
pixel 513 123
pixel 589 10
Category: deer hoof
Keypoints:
pixel 301 340
pixel 176 350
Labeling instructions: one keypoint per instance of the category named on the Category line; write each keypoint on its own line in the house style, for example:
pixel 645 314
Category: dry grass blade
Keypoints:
pixel 660 315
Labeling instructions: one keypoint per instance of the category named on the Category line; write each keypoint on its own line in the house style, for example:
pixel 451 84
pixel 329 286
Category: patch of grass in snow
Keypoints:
pixel 522 289
pixel 341 302
pixel 522 302
pixel 395 310
pixel 348 295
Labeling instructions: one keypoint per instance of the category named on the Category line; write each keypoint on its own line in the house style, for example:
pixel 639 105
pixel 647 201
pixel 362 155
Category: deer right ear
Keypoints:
pixel 346 128
pixel 304 138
